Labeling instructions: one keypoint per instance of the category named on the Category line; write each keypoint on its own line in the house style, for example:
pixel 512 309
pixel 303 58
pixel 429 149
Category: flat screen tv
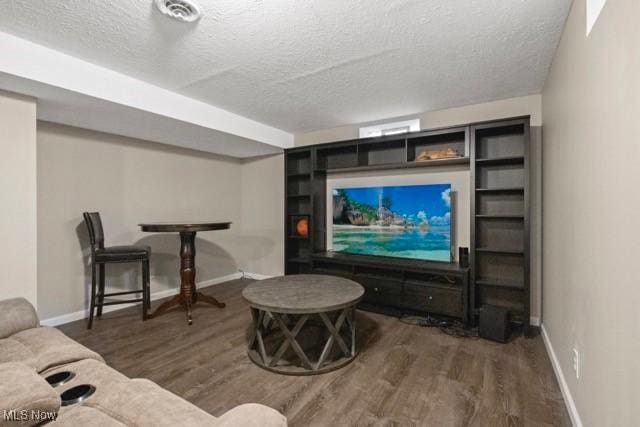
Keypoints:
pixel 404 221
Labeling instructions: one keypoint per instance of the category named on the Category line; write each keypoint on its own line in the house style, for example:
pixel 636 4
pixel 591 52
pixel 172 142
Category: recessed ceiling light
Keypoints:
pixel 181 10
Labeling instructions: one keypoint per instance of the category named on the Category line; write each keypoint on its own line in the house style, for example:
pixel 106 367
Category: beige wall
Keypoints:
pixel 262 215
pixel 512 107
pixel 129 181
pixel 591 107
pixel 18 250
pixel 521 106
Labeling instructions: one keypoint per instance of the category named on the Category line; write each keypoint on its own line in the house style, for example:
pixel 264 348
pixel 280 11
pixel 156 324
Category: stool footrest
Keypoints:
pixel 123 293
pixel 124 301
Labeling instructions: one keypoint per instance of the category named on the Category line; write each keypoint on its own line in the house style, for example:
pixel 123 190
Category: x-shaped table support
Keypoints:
pixel 264 321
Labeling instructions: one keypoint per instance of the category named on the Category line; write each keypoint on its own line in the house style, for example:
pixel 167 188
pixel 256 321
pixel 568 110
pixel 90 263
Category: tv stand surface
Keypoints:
pixel 402 285
pixel 403 263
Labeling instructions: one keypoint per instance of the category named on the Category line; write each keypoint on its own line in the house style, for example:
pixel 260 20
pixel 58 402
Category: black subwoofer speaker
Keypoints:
pixel 494 323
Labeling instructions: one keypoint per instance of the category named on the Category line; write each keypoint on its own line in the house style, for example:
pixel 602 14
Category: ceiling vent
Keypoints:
pixel 181 10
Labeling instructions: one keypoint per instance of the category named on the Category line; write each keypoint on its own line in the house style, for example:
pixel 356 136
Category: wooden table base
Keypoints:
pixel 188 295
pixel 286 328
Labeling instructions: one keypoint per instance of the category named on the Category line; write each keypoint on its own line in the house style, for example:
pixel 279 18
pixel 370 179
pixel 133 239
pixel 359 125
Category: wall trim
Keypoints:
pixel 564 387
pixel 534 321
pixel 256 276
pixel 83 314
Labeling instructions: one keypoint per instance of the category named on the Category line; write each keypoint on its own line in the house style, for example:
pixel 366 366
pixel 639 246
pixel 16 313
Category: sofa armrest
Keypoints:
pixel 25 396
pixel 16 314
pixel 252 415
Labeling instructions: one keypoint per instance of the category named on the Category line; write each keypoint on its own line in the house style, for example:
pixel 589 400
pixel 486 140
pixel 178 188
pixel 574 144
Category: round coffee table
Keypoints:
pixel 302 317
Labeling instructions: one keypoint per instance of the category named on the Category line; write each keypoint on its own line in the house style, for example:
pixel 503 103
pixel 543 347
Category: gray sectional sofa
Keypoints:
pixel 29 353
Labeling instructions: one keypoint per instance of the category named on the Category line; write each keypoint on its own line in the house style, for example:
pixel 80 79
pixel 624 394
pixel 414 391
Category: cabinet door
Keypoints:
pixel 433 299
pixel 379 291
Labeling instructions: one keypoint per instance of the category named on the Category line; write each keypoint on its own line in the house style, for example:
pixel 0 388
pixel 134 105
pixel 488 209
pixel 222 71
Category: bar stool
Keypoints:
pixel 101 255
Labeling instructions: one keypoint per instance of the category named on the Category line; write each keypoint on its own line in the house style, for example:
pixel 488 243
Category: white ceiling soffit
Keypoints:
pixel 302 65
pixel 77 93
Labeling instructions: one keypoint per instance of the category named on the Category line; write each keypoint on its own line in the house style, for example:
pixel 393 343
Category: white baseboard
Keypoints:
pixel 256 276
pixel 83 314
pixel 564 387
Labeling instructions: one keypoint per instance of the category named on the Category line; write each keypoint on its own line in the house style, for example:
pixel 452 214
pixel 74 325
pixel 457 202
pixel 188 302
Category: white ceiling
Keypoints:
pixel 302 65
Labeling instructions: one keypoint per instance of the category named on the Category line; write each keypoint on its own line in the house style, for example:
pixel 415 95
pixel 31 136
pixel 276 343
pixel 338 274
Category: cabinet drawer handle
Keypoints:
pixel 376 289
pixel 430 298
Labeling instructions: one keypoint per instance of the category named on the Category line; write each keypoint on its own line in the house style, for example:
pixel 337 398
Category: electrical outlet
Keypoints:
pixel 576 363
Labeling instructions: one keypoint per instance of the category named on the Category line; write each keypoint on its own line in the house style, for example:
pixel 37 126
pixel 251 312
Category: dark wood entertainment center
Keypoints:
pixel 497 156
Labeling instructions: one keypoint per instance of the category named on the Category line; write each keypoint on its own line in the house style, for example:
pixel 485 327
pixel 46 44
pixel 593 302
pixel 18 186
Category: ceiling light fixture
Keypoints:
pixel 181 10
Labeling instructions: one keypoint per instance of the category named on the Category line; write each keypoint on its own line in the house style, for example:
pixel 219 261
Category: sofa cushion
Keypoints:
pixel 27 394
pixel 85 416
pixel 14 351
pixel 45 347
pixel 16 315
pixel 252 415
pixel 141 402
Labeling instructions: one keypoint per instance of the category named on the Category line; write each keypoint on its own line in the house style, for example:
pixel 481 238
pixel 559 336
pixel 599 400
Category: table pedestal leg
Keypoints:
pixel 188 293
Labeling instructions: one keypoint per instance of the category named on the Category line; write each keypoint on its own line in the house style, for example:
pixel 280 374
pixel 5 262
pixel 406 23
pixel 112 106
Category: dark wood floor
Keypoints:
pixel 405 375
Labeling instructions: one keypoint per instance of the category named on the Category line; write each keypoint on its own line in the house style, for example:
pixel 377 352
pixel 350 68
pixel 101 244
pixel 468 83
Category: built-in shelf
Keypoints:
pixel 499 226
pixel 498 216
pixel 299 175
pixel 492 250
pixel 402 165
pixel 501 190
pixel 515 308
pixel 499 283
pixel 300 260
pixel 510 160
pixel 298 237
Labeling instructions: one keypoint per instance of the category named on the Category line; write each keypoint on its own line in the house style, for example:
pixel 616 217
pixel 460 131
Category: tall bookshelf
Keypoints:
pixel 298 203
pixel 499 253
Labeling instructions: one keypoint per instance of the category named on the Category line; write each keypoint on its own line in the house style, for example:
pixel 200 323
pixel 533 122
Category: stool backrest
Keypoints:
pixel 94 226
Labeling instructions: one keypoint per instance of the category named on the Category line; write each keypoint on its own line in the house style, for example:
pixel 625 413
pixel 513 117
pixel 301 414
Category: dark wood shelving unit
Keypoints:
pixel 501 283
pixel 497 155
pixel 500 190
pixel 300 260
pixel 501 161
pixel 496 250
pixel 298 237
pixel 299 175
pixel 499 253
pixel 298 202
pixel 502 216
pixel 404 165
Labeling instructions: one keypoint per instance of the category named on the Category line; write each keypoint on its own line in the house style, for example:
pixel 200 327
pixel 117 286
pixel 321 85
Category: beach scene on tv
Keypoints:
pixel 406 221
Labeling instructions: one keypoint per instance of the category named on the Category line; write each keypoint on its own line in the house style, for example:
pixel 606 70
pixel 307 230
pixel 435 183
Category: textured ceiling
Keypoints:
pixel 310 64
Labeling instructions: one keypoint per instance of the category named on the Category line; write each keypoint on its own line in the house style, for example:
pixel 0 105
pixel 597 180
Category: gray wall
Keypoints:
pixel 591 239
